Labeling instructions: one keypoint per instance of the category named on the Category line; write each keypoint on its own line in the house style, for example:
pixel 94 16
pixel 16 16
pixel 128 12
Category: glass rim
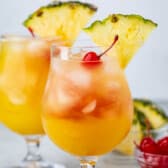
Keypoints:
pixel 139 152
pixel 163 129
pixel 85 49
pixel 22 37
pixel 54 45
pixel 90 44
pixel 94 46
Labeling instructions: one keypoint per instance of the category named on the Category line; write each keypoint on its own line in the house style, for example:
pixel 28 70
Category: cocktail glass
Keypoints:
pixel 24 65
pixel 87 106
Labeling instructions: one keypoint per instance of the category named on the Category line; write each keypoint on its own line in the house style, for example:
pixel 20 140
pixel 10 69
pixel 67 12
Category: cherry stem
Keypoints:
pixel 136 144
pixel 31 31
pixel 111 46
pixel 148 127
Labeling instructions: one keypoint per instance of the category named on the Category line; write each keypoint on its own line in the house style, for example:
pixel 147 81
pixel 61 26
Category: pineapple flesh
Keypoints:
pixel 147 115
pixel 127 146
pixel 133 30
pixel 61 19
pixel 152 111
pixel 136 133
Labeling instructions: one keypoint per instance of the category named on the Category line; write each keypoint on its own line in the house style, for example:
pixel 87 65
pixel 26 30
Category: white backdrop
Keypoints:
pixel 148 73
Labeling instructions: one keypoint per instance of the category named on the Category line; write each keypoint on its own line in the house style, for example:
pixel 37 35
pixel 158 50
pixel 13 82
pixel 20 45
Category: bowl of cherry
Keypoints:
pixel 152 151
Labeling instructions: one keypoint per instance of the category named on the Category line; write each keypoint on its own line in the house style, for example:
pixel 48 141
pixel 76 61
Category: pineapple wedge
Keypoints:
pixel 144 111
pixel 61 19
pixel 152 111
pixel 136 133
pixel 127 146
pixel 133 30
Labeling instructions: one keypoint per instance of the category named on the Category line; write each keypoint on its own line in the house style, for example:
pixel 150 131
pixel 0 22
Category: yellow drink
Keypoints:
pixel 87 108
pixel 24 64
pixel 89 136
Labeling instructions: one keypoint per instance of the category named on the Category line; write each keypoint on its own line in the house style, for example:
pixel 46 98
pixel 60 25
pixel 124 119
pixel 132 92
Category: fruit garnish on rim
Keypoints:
pixel 133 30
pixel 92 56
pixel 60 19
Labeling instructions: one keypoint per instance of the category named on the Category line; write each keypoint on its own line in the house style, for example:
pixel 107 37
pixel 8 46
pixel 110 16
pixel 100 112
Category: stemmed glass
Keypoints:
pixel 24 65
pixel 87 105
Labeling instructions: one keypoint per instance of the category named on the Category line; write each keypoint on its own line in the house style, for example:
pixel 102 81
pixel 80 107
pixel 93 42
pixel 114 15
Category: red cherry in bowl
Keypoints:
pixel 148 145
pixel 148 160
pixel 153 154
pixel 163 146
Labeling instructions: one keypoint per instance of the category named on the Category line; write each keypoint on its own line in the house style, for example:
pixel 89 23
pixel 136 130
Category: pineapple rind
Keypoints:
pixel 152 111
pixel 113 16
pixel 144 110
pixel 72 3
pixel 58 4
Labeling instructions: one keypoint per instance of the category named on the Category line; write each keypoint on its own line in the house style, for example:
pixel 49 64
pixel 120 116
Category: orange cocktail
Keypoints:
pixel 87 106
pixel 24 64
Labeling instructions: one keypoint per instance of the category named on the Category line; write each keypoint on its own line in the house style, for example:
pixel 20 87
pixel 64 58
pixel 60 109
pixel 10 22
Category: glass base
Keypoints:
pixel 88 162
pixel 39 164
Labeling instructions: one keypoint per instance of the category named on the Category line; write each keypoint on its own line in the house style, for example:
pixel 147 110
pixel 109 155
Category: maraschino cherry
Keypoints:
pixel 93 57
pixel 163 146
pixel 148 145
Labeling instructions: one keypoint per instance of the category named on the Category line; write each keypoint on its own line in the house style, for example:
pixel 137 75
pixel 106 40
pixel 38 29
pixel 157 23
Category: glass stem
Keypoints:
pixel 88 162
pixel 33 145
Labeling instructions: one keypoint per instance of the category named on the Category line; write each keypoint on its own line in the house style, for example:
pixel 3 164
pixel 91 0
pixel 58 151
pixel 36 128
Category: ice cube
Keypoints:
pixel 60 101
pixel 90 107
pixel 64 52
pixel 37 46
pixel 80 78
pixel 113 85
pixel 16 48
pixel 65 98
pixel 17 96
pixel 112 91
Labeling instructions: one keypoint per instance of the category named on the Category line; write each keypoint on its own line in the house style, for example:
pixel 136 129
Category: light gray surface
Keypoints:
pixel 147 73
